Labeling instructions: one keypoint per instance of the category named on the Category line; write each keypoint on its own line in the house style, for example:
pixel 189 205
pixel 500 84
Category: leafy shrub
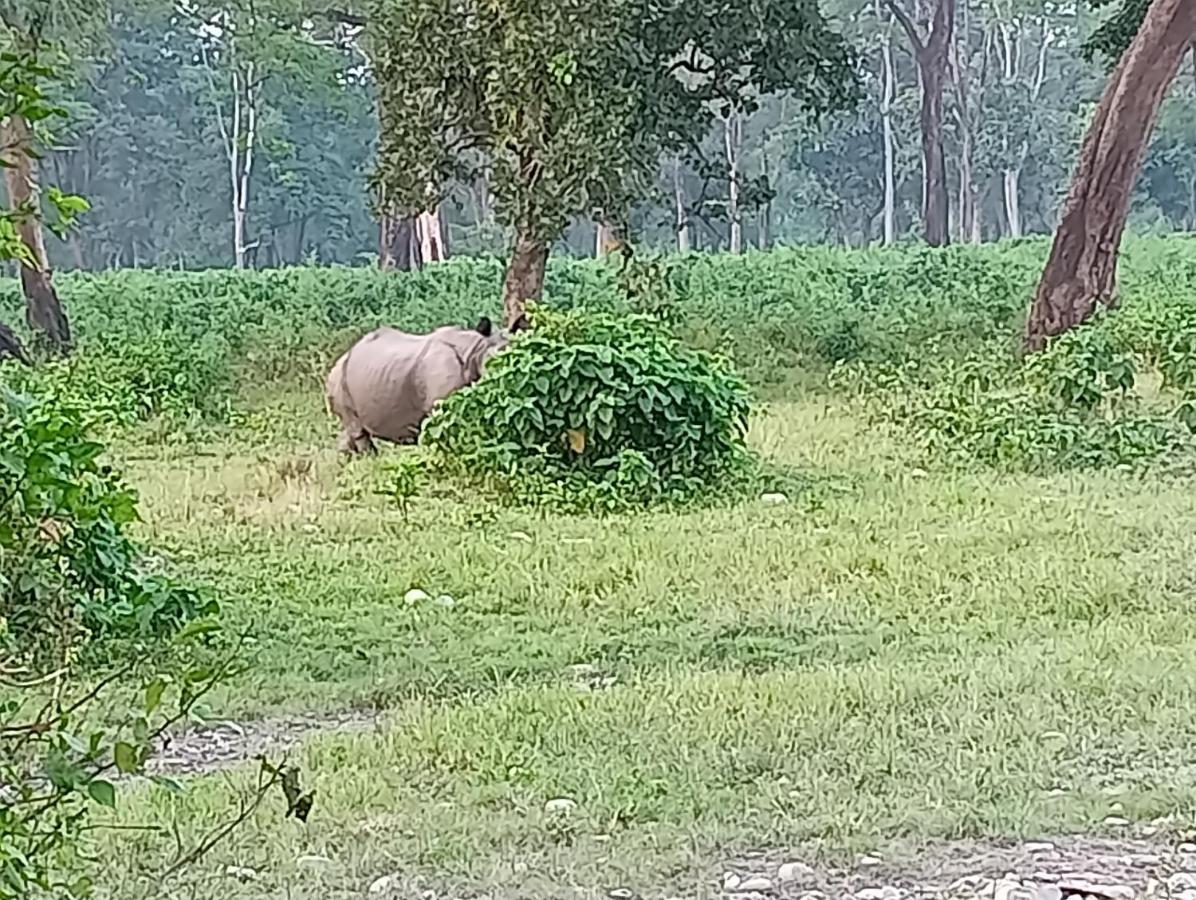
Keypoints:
pixel 63 545
pixel 596 410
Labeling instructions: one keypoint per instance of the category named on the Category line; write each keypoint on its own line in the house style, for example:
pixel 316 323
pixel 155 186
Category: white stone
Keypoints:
pixel 1186 848
pixel 775 499
pixel 384 885
pixel 731 881
pixel 446 601
pixel 756 884
pixel 1039 847
pixel 888 892
pixel 311 859
pixel 241 873
pixel 918 473
pixel 1008 889
pixel 794 871
pixel 620 894
pixel 1116 822
pixel 560 806
pixel 415 595
pixel 1100 889
pixel 1182 881
pixel 1047 892
pixel 869 860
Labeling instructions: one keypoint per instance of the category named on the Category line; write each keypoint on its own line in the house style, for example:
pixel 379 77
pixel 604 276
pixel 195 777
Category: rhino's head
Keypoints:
pixel 495 339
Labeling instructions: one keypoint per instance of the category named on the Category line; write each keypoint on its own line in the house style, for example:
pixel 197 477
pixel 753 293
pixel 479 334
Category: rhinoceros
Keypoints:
pixel 385 385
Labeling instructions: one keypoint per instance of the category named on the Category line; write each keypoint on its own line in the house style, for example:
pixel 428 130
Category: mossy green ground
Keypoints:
pixel 903 651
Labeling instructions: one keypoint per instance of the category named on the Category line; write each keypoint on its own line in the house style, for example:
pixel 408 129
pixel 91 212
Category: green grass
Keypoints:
pixel 901 652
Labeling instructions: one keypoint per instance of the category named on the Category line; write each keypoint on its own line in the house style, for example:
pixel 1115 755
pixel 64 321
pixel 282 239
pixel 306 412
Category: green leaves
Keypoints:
pixel 103 793
pixel 597 412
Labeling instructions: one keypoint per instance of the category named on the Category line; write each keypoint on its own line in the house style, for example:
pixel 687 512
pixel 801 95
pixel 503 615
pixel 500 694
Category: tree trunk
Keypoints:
pixel 765 236
pixel 681 220
pixel 430 236
pixel 886 117
pixel 931 54
pixel 1082 268
pixel 43 311
pixel 733 141
pixel 524 279
pixel 602 240
pixel 396 235
pixel 1010 179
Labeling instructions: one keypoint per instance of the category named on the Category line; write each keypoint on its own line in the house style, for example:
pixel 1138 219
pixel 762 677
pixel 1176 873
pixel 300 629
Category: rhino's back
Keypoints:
pixel 392 378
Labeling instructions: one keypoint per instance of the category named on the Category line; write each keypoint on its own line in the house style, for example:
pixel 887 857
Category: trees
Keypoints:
pixel 931 44
pixel 568 106
pixel 1081 270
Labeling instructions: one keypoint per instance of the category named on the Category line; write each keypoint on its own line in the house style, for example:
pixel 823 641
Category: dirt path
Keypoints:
pixel 199 751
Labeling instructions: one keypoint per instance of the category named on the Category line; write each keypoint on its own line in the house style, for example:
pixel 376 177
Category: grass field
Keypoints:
pixel 901 652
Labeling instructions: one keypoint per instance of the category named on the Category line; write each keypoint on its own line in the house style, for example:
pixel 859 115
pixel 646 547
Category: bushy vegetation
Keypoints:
pixel 599 410
pixel 928 336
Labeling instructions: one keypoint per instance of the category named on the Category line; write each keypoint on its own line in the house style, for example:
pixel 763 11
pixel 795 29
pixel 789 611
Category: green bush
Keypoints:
pixel 64 551
pixel 596 410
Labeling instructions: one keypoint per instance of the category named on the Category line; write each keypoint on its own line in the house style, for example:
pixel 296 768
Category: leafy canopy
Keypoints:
pixel 569 104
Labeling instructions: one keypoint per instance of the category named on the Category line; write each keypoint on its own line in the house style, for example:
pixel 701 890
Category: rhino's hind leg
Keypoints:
pixel 355 442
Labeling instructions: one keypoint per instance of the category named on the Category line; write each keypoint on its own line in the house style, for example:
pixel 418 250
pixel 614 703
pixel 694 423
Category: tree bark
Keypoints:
pixel 43 310
pixel 524 279
pixel 733 142
pixel 681 218
pixel 931 55
pixel 396 237
pixel 602 240
pixel 886 116
pixel 1081 271
pixel 431 236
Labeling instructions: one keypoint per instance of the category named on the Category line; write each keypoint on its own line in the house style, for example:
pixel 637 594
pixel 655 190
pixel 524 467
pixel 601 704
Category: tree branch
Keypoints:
pixel 907 24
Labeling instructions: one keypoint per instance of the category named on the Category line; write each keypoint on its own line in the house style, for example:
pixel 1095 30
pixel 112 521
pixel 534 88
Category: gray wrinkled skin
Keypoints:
pixel 385 385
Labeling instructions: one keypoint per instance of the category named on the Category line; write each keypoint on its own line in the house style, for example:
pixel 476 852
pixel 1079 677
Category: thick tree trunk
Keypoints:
pixel 1081 271
pixel 43 311
pixel 395 243
pixel 934 165
pixel 932 54
pixel 524 279
pixel 602 240
pixel 431 236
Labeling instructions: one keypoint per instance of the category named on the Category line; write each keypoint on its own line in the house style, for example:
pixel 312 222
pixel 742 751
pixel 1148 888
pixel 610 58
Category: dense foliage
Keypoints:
pixel 65 557
pixel 598 409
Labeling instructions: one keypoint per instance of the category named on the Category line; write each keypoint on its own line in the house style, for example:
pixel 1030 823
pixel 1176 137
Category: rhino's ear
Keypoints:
pixel 520 324
pixel 485 327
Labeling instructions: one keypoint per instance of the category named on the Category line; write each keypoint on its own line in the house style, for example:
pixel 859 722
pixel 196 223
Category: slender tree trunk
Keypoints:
pixel 43 311
pixel 1081 271
pixel 886 118
pixel 765 236
pixel 603 239
pixel 681 219
pixel 733 141
pixel 1010 188
pixel 241 188
pixel 524 279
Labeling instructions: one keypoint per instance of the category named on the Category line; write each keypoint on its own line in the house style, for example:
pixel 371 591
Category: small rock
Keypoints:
pixel 1008 889
pixel 1181 881
pixel 414 596
pixel 620 894
pixel 869 860
pixel 1039 847
pixel 773 499
pixel 1150 830
pixel 1186 848
pixel 794 871
pixel 560 806
pixel 755 885
pixel 918 473
pixel 384 885
pixel 1146 860
pixel 1116 822
pixel 446 601
pixel 731 881
pixel 1097 889
pixel 313 860
pixel 888 892
pixel 241 873
pixel 1047 892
